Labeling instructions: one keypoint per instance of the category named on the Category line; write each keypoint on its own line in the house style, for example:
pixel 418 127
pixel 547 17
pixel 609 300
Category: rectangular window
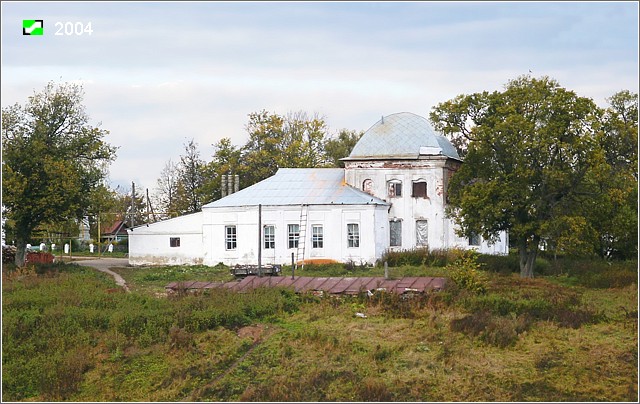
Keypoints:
pixel 422 234
pixel 317 238
pixel 269 237
pixel 230 237
pixel 174 241
pixel 420 189
pixel 353 235
pixel 395 189
pixel 395 233
pixel 474 239
pixel 293 234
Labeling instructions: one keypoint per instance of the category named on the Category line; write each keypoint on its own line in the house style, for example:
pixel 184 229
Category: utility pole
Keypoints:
pixel 133 197
pixel 150 208
pixel 99 251
pixel 260 240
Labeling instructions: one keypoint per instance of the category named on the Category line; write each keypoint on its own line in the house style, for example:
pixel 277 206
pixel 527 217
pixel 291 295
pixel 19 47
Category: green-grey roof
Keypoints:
pixel 298 186
pixel 401 136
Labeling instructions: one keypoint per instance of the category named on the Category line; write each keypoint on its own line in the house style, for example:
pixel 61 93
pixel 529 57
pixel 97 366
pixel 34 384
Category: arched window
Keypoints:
pixel 395 188
pixel 367 186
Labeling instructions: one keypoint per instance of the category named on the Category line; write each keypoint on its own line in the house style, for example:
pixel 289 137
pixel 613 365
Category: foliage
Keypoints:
pixel 274 141
pixel 53 160
pixel 189 197
pixel 420 256
pixel 466 273
pixel 167 190
pixel 614 210
pixel 68 336
pixel 340 147
pixel 535 163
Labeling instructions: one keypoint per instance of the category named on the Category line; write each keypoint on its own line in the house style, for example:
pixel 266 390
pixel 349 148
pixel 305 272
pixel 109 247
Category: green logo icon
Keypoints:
pixel 32 27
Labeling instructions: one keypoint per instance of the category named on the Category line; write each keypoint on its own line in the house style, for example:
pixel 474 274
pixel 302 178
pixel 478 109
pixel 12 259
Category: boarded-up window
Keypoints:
pixel 293 235
pixel 395 233
pixel 174 241
pixel 420 189
pixel 422 234
pixel 230 237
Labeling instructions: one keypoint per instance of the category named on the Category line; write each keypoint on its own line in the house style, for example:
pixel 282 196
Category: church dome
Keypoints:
pixel 401 136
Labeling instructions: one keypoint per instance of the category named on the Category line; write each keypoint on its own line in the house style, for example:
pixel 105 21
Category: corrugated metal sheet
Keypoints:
pixel 331 285
pixel 298 186
pixel 401 135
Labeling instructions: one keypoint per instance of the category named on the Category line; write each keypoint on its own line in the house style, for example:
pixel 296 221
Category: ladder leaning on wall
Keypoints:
pixel 302 235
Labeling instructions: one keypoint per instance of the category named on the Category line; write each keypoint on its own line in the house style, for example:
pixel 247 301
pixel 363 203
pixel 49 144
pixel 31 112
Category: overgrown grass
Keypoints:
pixel 152 279
pixel 69 335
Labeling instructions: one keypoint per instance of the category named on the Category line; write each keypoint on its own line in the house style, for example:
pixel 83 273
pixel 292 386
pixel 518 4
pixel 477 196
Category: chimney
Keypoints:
pixel 223 185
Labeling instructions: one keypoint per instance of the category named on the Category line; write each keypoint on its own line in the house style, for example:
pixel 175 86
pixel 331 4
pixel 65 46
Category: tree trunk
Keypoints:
pixel 528 253
pixel 22 237
pixel 21 253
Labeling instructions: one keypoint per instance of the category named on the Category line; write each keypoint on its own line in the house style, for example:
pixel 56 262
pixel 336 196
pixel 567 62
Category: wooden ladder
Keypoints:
pixel 302 235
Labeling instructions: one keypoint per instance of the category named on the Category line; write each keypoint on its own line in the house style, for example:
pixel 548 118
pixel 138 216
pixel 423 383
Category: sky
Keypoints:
pixel 158 74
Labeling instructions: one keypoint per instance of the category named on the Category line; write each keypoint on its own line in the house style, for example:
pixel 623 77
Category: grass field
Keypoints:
pixel 69 334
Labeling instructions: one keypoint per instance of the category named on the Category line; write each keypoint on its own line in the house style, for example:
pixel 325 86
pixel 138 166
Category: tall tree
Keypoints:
pixel 52 160
pixel 167 190
pixel 190 179
pixel 529 151
pixel 295 140
pixel 614 212
pixel 341 146
pixel 226 160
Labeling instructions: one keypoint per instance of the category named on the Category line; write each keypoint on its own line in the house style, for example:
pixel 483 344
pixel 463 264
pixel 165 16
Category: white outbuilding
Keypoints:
pixel 391 195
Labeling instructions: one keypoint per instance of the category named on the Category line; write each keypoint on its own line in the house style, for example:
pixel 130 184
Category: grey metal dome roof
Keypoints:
pixel 401 136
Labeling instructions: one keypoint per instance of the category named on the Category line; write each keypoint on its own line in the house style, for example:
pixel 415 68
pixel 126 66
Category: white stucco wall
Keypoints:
pixel 435 171
pixel 333 219
pixel 150 244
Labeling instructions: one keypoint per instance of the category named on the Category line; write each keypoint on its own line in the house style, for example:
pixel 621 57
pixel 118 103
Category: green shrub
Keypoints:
pixel 466 273
pixel 420 257
pixel 542 266
pixel 504 264
pixel 609 278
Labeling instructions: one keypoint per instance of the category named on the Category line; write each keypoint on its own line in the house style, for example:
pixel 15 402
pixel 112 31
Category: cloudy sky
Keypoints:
pixel 157 74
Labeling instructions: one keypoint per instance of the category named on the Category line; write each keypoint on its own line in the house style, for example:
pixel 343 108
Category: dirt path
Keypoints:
pixel 103 265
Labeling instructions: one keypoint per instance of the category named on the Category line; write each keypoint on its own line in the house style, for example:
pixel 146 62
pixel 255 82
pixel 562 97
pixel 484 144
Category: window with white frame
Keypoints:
pixel 353 235
pixel 317 237
pixel 395 188
pixel 269 237
pixel 230 237
pixel 293 231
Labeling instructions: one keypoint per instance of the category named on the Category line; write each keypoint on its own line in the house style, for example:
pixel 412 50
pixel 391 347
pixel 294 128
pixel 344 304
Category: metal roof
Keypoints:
pixel 300 186
pixel 401 136
pixel 332 285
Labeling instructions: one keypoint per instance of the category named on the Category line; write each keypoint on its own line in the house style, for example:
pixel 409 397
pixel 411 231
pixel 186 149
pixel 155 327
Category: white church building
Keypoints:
pixel 391 195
